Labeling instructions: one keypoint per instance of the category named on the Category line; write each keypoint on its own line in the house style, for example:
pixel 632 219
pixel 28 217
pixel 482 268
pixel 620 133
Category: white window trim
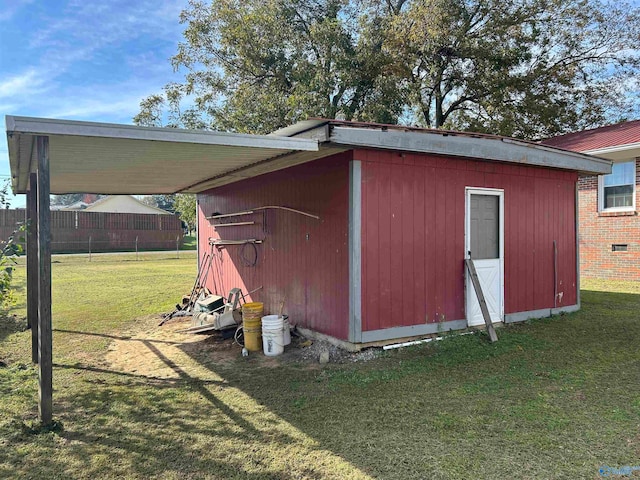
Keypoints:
pixel 632 208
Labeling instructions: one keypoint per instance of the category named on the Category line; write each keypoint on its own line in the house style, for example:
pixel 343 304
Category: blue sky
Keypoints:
pixel 83 59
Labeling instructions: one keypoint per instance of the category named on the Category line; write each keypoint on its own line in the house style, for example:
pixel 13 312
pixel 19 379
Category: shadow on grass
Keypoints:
pixel 169 382
pixel 547 388
pixel 162 426
pixel 10 324
pixel 553 398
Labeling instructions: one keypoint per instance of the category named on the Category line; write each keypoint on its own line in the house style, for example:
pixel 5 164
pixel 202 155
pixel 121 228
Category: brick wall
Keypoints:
pixel 599 231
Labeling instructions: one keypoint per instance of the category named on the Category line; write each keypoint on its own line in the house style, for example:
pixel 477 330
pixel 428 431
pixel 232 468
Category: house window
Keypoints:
pixel 617 190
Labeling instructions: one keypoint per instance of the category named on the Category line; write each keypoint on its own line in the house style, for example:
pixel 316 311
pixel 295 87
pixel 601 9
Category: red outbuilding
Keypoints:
pixel 359 232
pixel 365 240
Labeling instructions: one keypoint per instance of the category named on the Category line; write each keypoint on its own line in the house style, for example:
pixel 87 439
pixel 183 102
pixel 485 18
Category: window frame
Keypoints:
pixel 632 208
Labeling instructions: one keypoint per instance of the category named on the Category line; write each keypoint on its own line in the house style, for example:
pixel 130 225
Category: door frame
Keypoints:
pixel 467 238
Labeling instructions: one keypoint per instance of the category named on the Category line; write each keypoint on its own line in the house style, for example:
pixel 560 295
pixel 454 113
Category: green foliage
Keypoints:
pixel 257 66
pixel 165 202
pixel 185 206
pixel 10 250
pixel 526 68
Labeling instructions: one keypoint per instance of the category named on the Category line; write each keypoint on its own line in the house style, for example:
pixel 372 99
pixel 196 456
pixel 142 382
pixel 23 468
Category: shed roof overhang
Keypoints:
pixel 126 159
pixel 446 142
pixel 502 149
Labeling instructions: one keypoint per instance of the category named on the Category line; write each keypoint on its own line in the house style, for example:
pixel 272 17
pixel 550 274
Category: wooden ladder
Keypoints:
pixel 483 304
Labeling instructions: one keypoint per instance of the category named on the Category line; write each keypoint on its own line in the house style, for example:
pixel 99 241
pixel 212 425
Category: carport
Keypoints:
pixel 49 156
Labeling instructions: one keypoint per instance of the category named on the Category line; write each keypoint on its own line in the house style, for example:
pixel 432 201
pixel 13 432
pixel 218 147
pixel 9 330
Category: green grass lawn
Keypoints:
pixel 554 398
pixel 190 242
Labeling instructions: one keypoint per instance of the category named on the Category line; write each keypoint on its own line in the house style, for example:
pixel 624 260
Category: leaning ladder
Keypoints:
pixel 483 304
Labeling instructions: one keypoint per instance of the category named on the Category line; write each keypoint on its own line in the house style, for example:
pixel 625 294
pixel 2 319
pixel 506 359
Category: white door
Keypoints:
pixel 485 246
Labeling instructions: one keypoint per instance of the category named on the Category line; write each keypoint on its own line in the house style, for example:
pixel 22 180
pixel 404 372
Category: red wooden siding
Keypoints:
pixel 302 259
pixel 413 226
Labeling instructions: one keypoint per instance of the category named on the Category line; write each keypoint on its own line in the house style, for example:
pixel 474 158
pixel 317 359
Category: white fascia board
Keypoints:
pixel 470 146
pixel 46 126
pixel 619 153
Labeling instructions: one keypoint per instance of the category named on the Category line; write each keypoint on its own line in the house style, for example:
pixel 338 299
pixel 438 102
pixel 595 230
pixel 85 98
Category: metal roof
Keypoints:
pixel 126 159
pixel 483 147
pixel 598 138
pixel 616 142
pixel 444 142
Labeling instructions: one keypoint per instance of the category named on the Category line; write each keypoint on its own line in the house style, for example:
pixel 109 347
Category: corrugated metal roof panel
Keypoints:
pixel 625 133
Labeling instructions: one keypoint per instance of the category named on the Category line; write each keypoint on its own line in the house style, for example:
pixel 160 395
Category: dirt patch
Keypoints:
pixel 165 352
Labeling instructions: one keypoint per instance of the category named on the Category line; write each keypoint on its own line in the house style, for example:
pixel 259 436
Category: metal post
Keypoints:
pixel 32 263
pixel 45 359
pixel 178 246
pixel 136 248
pixel 89 247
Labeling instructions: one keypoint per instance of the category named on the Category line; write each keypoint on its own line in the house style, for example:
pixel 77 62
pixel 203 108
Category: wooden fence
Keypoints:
pixel 102 232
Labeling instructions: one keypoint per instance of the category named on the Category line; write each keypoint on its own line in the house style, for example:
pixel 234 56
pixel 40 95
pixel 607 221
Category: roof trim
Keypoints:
pixel 470 146
pixel 48 126
pixel 301 127
pixel 613 149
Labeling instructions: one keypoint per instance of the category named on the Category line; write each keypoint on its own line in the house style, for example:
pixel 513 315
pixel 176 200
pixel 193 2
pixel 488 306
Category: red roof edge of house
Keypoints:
pixel 624 133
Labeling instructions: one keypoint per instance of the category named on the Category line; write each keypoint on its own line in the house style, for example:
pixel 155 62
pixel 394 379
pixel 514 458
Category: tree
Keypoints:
pixel 527 68
pixel 255 66
pixel 185 206
pixel 165 202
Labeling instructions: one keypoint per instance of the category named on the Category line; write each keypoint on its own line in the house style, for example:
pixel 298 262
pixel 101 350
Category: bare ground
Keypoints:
pixel 165 352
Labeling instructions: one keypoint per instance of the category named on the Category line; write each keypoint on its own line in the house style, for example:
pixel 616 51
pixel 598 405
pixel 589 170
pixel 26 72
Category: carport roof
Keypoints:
pixel 126 159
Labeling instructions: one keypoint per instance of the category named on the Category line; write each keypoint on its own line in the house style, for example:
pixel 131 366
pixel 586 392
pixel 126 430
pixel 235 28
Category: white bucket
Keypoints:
pixel 286 327
pixel 272 335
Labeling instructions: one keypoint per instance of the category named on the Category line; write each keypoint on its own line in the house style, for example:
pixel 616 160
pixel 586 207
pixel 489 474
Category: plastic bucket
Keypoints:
pixel 251 325
pixel 251 329
pixel 272 335
pixel 252 310
pixel 286 329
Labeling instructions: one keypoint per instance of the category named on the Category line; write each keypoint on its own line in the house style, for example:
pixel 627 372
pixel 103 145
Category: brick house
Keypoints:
pixel 608 208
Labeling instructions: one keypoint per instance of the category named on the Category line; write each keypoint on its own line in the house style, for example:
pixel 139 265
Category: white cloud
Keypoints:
pixel 87 35
pixel 92 108
pixel 93 24
pixel 29 82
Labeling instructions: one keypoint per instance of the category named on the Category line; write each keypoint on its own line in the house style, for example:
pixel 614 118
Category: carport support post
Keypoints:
pixel 32 263
pixel 45 341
